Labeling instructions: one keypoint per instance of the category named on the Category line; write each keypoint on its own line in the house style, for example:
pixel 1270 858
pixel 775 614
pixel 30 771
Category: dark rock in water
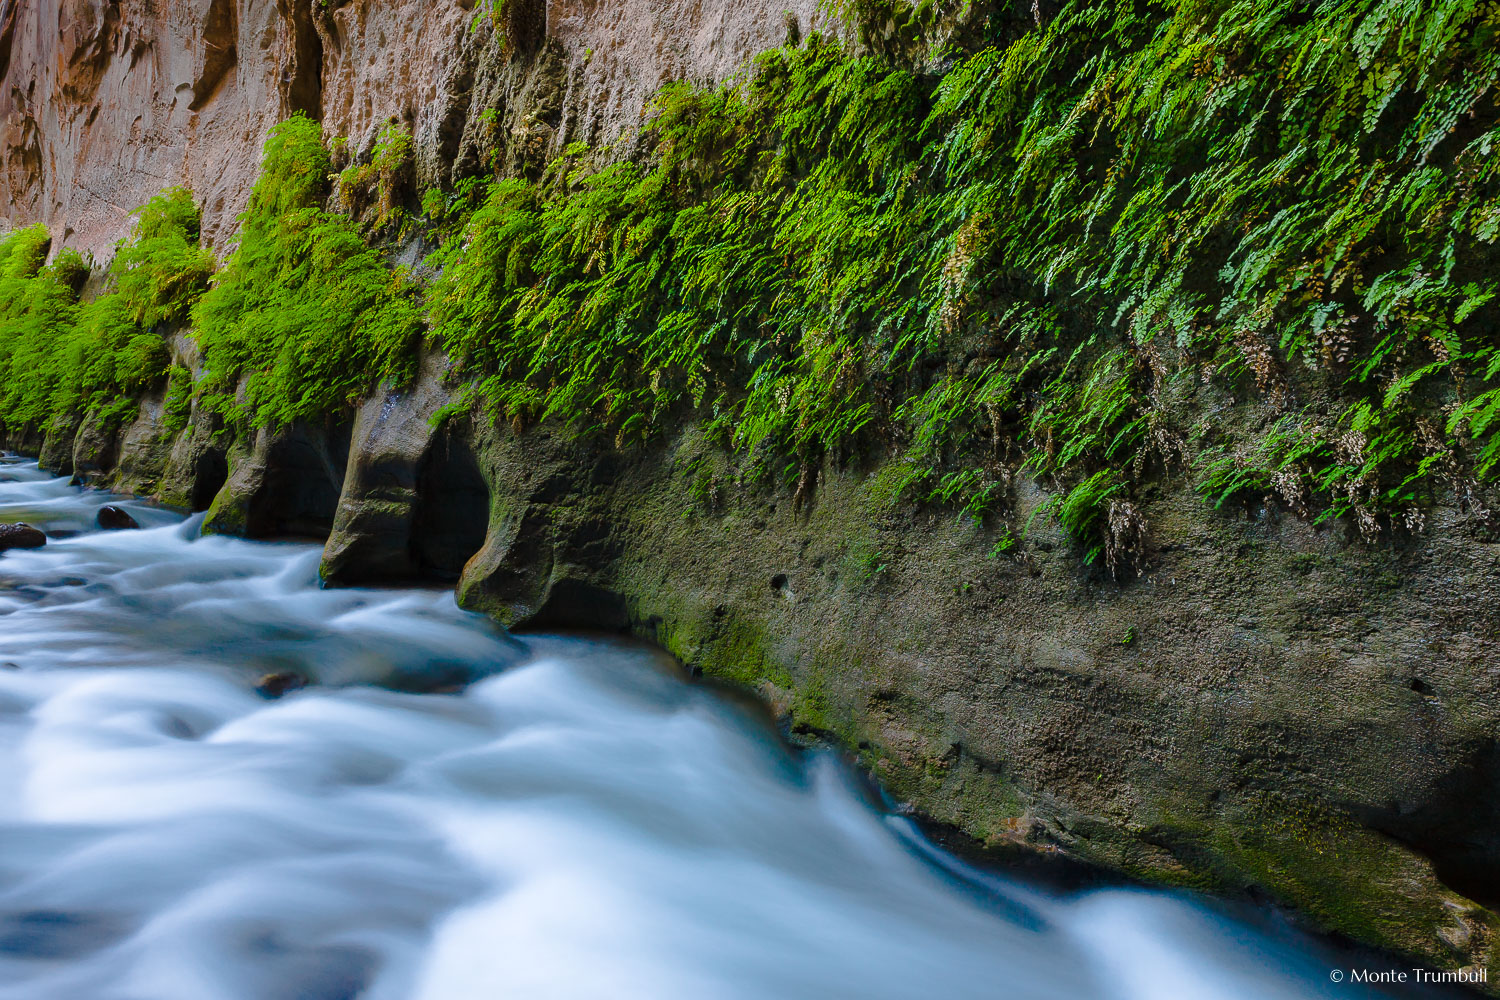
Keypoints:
pixel 58 534
pixel 112 518
pixel 10 665
pixel 20 536
pixel 276 685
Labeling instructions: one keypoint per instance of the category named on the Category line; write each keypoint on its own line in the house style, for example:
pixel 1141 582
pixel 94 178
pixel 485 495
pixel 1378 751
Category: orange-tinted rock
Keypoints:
pixel 276 685
pixel 105 102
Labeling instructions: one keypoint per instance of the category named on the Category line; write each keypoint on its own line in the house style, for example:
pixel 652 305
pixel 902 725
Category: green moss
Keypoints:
pixel 228 514
pixel 739 654
pixel 23 252
pixel 178 404
pixel 950 785
pixel 814 709
pixel 893 483
pixel 61 358
pixel 305 312
pixel 1081 511
pixel 160 272
pixel 1046 248
pixel 866 565
pixel 384 181
pixel 1344 876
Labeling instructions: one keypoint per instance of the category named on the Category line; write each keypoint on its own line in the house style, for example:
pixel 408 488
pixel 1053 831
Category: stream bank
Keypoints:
pixel 1269 711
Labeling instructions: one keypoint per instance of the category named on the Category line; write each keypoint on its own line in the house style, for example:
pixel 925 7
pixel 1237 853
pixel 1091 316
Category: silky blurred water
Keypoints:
pixel 452 813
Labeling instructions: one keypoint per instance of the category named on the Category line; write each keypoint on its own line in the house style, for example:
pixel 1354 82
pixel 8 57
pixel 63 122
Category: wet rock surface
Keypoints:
pixel 21 536
pixel 112 518
pixel 279 684
pixel 284 482
pixel 413 503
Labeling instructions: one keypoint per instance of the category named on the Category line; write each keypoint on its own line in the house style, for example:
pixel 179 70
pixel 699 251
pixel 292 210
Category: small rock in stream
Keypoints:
pixel 276 685
pixel 20 536
pixel 112 518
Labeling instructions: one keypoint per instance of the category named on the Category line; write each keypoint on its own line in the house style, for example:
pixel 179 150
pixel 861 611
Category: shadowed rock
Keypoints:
pixel 285 482
pixel 112 518
pixel 415 503
pixel 96 449
pixel 278 684
pixel 21 536
pixel 549 556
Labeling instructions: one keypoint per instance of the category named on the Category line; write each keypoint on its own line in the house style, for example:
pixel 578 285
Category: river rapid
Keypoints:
pixel 451 813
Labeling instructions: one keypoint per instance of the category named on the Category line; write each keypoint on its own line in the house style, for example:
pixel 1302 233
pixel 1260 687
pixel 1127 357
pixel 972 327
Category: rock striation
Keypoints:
pixel 105 102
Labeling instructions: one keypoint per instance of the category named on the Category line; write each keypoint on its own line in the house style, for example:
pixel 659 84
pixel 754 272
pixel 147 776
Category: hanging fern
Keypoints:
pixel 1252 242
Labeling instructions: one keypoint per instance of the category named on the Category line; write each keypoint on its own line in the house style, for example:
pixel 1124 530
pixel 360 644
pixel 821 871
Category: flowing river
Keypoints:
pixel 452 813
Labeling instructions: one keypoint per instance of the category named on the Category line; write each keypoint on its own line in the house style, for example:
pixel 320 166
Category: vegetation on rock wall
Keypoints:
pixel 305 313
pixel 304 318
pixel 1062 252
pixel 60 358
pixel 1249 243
pixel 381 182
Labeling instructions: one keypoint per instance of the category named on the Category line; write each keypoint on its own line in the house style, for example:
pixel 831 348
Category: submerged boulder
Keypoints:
pixel 20 536
pixel 112 518
pixel 277 684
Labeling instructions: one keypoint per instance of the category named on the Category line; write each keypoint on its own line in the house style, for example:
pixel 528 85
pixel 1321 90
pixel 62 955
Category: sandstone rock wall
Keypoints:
pixel 105 102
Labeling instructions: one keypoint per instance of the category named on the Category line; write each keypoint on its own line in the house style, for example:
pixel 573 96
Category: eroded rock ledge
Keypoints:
pixel 1269 709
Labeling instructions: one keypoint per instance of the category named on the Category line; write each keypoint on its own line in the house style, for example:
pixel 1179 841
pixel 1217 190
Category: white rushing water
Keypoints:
pixel 579 821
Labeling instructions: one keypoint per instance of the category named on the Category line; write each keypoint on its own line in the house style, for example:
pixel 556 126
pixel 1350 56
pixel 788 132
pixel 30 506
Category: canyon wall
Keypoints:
pixel 105 102
pixel 1272 708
